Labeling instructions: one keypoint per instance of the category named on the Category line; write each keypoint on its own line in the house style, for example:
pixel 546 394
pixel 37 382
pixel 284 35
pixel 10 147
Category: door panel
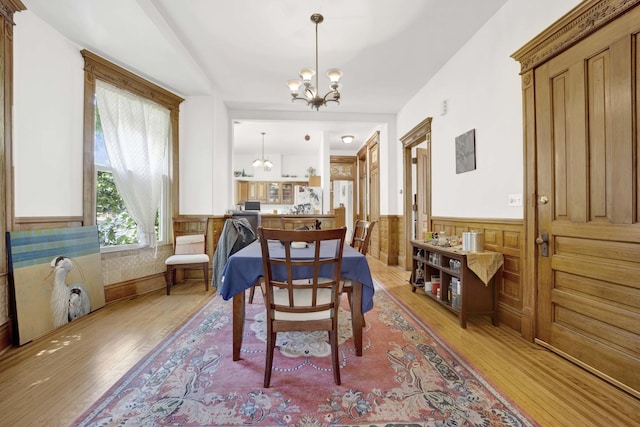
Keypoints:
pixel 422 180
pixel 588 295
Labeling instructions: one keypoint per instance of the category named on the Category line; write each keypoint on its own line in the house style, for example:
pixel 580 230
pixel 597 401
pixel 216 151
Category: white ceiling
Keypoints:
pixel 246 50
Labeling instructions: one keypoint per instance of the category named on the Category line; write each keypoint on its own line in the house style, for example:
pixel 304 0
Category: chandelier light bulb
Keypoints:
pixel 334 75
pixel 307 74
pixel 294 86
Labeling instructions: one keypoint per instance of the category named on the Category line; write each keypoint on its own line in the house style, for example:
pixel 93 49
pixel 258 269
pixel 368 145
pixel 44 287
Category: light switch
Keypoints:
pixel 514 200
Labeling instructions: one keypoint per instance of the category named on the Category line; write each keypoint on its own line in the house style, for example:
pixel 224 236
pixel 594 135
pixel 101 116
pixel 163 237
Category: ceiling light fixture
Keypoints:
pixel 310 95
pixel 267 164
pixel 347 139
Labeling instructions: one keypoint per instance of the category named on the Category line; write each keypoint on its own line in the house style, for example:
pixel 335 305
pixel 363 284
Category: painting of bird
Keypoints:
pixel 68 302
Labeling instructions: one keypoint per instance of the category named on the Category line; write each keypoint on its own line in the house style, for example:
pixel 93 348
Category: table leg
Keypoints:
pixel 356 315
pixel 238 323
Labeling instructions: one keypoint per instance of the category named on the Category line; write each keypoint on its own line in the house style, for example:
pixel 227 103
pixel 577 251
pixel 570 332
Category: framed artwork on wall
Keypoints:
pixel 466 151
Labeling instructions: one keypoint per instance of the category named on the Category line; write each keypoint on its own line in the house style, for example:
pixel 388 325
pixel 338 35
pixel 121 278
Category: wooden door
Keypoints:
pixel 422 180
pixel 588 202
pixel 374 196
pixel 362 189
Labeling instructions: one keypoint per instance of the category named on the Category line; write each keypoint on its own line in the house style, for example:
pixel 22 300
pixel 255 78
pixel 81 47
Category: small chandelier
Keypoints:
pixel 262 162
pixel 310 95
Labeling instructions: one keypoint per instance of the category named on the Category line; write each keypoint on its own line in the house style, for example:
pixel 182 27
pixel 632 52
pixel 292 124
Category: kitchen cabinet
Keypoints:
pixel 273 193
pixel 461 290
pixel 267 192
pixel 287 193
pixel 242 192
pixel 257 190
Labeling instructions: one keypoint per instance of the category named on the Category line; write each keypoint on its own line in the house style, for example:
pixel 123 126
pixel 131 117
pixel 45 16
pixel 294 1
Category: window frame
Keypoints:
pixel 97 68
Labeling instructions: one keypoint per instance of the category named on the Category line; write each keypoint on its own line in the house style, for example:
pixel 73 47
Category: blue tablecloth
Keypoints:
pixel 244 268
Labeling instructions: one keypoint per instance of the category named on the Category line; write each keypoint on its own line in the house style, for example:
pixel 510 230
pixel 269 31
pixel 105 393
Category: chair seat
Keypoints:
pixel 187 259
pixel 301 298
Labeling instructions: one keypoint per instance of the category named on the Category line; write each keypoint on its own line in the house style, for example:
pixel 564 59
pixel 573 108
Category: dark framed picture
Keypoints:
pixel 466 151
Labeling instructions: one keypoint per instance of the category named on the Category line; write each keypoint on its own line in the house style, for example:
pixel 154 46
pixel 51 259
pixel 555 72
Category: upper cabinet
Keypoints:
pixel 266 192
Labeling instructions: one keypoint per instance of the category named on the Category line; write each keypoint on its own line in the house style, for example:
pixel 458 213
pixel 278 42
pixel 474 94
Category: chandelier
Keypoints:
pixel 262 162
pixel 310 93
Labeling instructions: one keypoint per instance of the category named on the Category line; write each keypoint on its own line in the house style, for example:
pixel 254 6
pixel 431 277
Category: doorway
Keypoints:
pixel 416 136
pixel 342 187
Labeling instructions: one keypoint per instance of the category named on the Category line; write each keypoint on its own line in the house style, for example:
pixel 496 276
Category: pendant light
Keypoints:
pixel 262 162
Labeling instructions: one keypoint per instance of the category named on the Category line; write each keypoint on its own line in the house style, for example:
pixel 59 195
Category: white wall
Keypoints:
pixel 222 193
pixel 283 164
pixel 481 85
pixel 197 155
pixel 47 120
pixel 48 127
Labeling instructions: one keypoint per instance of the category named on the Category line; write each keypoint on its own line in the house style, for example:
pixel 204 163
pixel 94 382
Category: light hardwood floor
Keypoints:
pixel 53 380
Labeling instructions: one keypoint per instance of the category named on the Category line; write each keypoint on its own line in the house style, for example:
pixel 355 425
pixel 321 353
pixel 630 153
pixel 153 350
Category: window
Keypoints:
pixel 130 155
pixel 103 202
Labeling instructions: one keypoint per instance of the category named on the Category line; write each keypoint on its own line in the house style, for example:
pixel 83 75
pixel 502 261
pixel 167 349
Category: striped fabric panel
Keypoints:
pixel 33 247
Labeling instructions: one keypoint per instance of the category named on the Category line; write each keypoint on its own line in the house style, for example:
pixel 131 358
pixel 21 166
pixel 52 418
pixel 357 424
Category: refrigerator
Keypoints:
pixel 307 200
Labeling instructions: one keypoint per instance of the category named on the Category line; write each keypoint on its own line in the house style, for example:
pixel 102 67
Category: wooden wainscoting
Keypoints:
pixel 155 281
pixel 216 224
pixel 500 235
pixel 390 229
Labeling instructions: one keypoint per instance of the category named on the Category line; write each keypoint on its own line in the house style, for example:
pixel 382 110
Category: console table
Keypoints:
pixel 463 291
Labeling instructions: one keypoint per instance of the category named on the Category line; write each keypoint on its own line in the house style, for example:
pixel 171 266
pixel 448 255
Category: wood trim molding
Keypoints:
pixel 132 288
pixel 578 23
pixel 99 68
pixel 390 227
pixel 416 136
pixel 420 133
pixel 9 7
pixel 343 168
pixel 39 223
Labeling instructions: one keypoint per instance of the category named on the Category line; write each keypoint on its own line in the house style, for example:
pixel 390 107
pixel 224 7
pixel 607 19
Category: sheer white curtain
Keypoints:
pixel 136 136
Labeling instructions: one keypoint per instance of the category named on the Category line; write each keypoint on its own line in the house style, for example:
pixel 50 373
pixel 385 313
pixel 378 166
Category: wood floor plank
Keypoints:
pixel 51 381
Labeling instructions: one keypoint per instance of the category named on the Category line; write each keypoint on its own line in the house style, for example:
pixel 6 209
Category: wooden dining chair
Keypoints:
pixel 289 223
pixel 299 296
pixel 189 249
pixel 360 239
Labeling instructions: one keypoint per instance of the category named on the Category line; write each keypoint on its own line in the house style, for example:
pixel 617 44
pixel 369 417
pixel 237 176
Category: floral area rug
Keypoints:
pixel 407 376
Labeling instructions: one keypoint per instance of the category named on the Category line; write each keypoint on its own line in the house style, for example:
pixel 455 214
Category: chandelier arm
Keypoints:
pixel 335 93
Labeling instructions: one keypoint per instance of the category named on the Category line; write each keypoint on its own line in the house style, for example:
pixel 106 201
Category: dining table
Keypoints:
pixel 244 270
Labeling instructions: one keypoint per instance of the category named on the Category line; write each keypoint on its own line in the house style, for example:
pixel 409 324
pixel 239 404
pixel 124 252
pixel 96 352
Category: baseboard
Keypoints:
pixel 6 337
pixel 134 287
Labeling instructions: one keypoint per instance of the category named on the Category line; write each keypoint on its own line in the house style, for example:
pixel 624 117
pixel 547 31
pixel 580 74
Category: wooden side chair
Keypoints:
pixel 359 240
pixel 291 223
pixel 189 249
pixel 297 296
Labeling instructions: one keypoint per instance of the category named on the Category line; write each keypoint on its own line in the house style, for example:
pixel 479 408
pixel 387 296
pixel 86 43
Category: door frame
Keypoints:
pixel 416 136
pixel 344 168
pixel 554 40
